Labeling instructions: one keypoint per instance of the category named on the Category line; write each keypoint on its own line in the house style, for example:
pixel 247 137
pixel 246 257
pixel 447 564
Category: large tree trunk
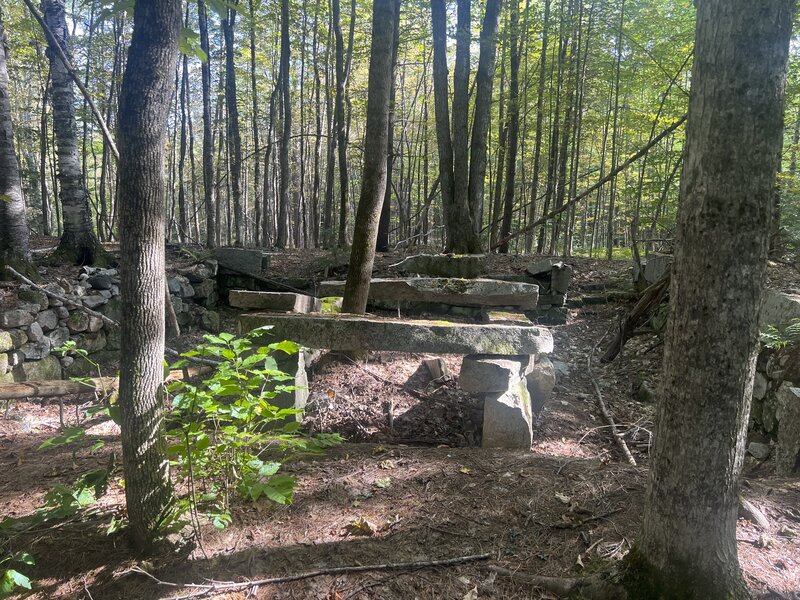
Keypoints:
pixel 460 116
pixel 376 144
pixel 208 134
pixel 13 224
pixel 78 242
pixel 733 142
pixel 144 105
pixel 484 79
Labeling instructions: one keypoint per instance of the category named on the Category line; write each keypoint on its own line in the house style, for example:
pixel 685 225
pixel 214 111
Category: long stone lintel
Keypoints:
pixel 454 292
pixel 354 333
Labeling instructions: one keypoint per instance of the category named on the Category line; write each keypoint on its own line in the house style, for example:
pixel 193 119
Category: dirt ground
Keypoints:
pixel 411 484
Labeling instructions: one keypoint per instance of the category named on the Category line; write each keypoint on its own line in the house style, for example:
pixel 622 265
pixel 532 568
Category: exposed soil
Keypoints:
pixel 413 474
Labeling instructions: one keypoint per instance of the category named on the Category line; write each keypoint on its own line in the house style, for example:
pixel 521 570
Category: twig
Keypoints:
pixel 604 409
pixel 205 589
pixel 108 321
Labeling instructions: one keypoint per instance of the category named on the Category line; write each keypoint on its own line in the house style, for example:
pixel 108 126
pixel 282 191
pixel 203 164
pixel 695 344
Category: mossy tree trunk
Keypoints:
pixel 144 105
pixel 687 548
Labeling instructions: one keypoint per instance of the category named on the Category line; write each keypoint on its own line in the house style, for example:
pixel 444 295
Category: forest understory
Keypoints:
pixel 411 483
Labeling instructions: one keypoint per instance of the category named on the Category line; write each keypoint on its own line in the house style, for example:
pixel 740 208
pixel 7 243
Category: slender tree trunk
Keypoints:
pixel 375 156
pixel 257 191
pixel 78 243
pixel 537 148
pixel 232 123
pixel 183 222
pixel 144 106
pixel 285 178
pixel 615 137
pixel 484 82
pixel 13 223
pixel 460 116
pixel 513 126
pixel 339 121
pixel 208 135
pixel 47 222
pixel 688 546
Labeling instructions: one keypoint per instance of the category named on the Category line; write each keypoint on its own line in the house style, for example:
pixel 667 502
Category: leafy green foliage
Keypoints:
pixel 227 435
pixel 11 579
pixel 779 337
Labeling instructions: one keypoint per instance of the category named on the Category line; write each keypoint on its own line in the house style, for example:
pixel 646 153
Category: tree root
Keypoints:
pixel 600 586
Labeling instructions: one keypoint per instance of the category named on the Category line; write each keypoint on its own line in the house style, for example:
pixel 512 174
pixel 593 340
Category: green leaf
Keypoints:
pixel 71 434
pixel 285 346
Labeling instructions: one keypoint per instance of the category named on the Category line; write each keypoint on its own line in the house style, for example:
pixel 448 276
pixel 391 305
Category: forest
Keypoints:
pixel 399 298
pixel 550 100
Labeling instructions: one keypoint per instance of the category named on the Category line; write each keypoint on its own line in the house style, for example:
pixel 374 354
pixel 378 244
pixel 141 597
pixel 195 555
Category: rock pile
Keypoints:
pixel 553 277
pixel 31 331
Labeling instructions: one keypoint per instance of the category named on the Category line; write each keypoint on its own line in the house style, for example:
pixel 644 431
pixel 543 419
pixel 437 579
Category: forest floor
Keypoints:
pixel 409 484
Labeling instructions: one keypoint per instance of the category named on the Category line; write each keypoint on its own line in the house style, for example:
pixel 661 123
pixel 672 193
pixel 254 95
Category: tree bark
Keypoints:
pixel 144 105
pixel 384 14
pixel 733 143
pixel 484 80
pixel 13 223
pixel 232 123
pixel 208 134
pixel 285 178
pixel 78 243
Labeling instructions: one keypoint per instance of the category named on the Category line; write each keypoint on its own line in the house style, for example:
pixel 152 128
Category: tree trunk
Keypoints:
pixel 13 224
pixel 733 142
pixel 460 116
pixel 234 137
pixel 513 127
pixel 208 135
pixel 283 203
pixel 78 243
pixel 484 80
pixel 375 152
pixel 144 106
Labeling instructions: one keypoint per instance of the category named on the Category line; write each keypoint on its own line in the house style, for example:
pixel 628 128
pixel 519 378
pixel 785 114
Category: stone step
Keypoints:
pixel 274 301
pixel 242 260
pixel 453 292
pixel 469 266
pixel 354 333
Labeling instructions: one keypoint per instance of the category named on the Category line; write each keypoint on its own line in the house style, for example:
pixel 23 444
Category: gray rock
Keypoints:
pixel 197 273
pixel 759 450
pixel 94 302
pixel 461 266
pixel 778 308
pixel 66 361
pixel 15 358
pixel 543 266
pixel 180 286
pixel 655 267
pixel 106 294
pixel 541 380
pixel 29 307
pixel 47 319
pixel 34 332
pixel 83 368
pixel 482 373
pixel 787 450
pixel 92 342
pixel 562 368
pixel 4 366
pixel 212 265
pixel 36 350
pixel 449 291
pixel 295 366
pixel 62 312
pixel 759 386
pixel 360 333
pixel 113 309
pixel 16 318
pixel 95 324
pixel 177 304
pixel 274 301
pixel 34 296
pixel 204 289
pixel 46 369
pixel 508 419
pixel 561 277
pixel 113 339
pixel 6 343
pixel 101 281
pixel 78 321
pixel 209 321
pixel 18 337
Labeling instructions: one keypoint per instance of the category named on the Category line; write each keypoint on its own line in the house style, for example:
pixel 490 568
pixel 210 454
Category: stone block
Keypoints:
pixel 482 373
pixel 4 366
pixel 78 321
pixel 541 380
pixel 466 266
pixel 204 289
pixel 34 332
pixel 95 324
pixel 92 342
pixel 113 338
pixel 47 320
pixel 209 321
pixel 787 450
pixel 58 336
pixel 560 278
pixel 508 419
pixel 759 386
pixel 274 301
pixel 113 309
pixel 16 318
pixel 180 286
pixel 778 308
pixel 34 296
pixel 101 281
pixel 543 267
pixel 6 343
pixel 18 338
pixel 655 267
pixel 293 365
pixel 46 369
pixel 94 301
pixel 241 260
pixel 36 350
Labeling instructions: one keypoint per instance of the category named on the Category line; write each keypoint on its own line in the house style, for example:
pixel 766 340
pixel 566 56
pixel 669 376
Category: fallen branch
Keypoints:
pixel 106 320
pixel 604 409
pixel 205 589
pixel 595 587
